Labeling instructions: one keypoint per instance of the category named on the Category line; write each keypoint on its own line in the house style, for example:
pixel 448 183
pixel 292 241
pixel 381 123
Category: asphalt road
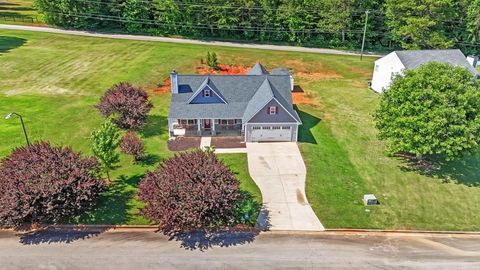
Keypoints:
pixel 140 250
pixel 180 40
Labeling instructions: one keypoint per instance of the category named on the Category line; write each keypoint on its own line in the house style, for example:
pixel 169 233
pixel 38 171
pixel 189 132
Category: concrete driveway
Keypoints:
pixel 279 171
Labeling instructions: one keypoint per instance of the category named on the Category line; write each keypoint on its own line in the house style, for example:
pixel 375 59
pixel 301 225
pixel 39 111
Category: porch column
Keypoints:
pixel 213 127
pixel 199 131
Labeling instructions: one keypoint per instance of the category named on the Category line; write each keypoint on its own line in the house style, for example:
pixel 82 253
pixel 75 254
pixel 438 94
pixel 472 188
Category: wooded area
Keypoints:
pixel 408 24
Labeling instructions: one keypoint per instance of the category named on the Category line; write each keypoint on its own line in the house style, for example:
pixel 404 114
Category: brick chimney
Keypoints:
pixel 174 81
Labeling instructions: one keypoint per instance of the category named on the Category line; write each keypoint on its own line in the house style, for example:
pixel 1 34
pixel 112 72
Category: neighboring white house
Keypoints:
pixel 395 62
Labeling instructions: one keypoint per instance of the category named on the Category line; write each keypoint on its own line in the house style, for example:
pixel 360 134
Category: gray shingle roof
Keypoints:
pixel 258 69
pixel 280 71
pixel 243 94
pixel 414 59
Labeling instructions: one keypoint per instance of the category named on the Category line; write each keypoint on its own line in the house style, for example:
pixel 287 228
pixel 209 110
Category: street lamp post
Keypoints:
pixel 10 115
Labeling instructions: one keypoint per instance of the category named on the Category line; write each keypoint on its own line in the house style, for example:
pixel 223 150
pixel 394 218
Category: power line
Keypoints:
pixel 200 26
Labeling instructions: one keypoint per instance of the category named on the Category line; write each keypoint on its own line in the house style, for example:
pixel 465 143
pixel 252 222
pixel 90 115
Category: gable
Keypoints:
pixel 263 116
pixel 207 93
pixel 202 96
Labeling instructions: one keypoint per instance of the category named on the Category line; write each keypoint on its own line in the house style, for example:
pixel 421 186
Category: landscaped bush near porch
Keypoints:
pixel 192 190
pixel 43 184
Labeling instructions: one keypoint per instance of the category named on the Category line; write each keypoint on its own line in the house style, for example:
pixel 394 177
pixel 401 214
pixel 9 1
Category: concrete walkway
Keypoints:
pixel 180 40
pixel 279 172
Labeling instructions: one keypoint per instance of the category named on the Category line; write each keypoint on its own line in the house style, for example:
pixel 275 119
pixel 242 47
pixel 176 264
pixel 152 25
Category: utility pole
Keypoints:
pixel 364 32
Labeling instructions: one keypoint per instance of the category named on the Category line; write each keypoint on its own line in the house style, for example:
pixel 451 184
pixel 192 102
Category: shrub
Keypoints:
pixel 247 209
pixel 132 145
pixel 44 184
pixel 192 190
pixel 127 104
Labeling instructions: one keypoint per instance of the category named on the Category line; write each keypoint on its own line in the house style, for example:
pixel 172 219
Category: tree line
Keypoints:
pixel 407 24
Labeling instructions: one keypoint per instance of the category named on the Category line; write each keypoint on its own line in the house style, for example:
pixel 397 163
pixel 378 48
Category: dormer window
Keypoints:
pixel 206 93
pixel 272 110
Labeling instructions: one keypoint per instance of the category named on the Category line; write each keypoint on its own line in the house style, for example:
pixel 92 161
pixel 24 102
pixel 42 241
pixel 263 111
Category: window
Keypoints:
pixel 256 128
pixel 272 110
pixel 286 127
pixel 206 93
pixel 238 121
pixel 267 128
pixel 275 128
pixel 377 67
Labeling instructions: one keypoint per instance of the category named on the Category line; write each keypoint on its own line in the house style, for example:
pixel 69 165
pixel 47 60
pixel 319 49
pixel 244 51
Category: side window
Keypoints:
pixel 377 67
pixel 206 93
pixel 272 110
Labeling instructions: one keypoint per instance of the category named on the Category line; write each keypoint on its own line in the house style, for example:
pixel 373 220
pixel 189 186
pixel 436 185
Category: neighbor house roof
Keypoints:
pixel 244 96
pixel 414 59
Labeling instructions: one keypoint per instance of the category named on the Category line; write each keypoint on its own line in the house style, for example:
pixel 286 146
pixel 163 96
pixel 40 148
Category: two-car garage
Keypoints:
pixel 271 133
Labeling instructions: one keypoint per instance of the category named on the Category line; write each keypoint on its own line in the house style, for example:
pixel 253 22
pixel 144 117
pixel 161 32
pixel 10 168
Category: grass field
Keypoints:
pixel 54 81
pixel 19 12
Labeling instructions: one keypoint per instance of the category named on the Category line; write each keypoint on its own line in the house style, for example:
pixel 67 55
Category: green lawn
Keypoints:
pixel 54 81
pixel 19 12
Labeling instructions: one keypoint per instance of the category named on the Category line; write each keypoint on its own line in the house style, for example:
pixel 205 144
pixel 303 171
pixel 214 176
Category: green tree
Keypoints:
pixel 105 141
pixel 136 13
pixel 432 110
pixel 473 21
pixel 418 24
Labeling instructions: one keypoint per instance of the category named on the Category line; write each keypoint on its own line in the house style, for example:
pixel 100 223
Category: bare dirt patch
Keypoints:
pixel 228 142
pixel 302 98
pixel 224 70
pixel 183 143
pixel 163 88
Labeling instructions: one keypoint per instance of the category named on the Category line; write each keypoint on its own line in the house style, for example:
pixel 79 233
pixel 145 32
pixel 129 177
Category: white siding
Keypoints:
pixel 384 70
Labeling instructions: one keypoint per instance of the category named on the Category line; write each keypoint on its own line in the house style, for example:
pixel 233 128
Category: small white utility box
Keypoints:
pixel 370 199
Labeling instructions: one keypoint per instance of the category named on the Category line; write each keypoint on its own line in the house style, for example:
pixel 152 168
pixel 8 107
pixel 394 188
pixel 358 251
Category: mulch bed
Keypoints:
pixel 183 143
pixel 228 142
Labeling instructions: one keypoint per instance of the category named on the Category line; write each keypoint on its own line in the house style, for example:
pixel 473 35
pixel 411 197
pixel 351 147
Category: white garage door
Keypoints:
pixel 265 133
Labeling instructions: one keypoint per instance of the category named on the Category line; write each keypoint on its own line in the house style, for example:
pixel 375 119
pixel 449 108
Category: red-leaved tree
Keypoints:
pixel 127 104
pixel 192 190
pixel 131 144
pixel 45 184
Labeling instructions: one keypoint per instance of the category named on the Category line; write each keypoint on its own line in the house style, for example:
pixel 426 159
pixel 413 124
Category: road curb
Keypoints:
pixel 366 232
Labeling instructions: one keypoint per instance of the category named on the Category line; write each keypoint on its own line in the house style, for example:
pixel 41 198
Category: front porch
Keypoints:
pixel 205 127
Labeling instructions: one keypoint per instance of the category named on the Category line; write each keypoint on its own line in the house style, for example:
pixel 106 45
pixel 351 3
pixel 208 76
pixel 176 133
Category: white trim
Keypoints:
pixel 201 88
pixel 277 123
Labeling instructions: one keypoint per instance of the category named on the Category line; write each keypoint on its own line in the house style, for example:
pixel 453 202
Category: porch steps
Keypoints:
pixel 205 142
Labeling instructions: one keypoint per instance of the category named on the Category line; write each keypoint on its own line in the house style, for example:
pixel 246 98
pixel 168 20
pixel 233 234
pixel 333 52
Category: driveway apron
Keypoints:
pixel 279 171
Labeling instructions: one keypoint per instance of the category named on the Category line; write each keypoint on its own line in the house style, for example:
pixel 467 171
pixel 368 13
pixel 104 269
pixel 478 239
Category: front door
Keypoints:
pixel 207 123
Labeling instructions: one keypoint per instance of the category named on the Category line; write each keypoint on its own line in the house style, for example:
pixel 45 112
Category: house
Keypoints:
pixel 257 106
pixel 395 62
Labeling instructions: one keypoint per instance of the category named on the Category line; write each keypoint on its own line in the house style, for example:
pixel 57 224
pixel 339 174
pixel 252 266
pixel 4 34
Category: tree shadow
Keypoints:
pixel 9 43
pixel 149 159
pixel 49 235
pixel 114 205
pixel 156 125
pixel 263 219
pixel 465 171
pixel 202 240
pixel 308 122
